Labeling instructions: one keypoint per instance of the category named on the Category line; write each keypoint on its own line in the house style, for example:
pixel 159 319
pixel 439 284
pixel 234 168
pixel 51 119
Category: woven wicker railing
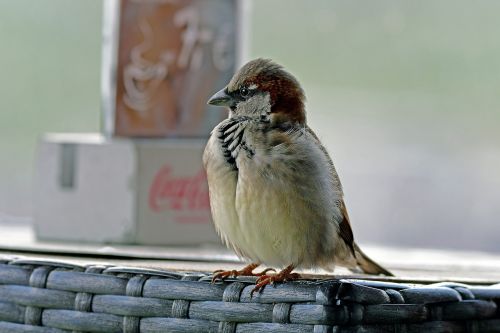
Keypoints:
pixel 39 296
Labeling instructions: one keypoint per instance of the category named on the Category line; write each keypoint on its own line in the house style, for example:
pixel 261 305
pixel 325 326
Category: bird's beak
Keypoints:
pixel 221 98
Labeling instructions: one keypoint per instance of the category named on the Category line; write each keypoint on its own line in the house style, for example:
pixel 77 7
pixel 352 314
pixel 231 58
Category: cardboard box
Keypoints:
pixel 92 189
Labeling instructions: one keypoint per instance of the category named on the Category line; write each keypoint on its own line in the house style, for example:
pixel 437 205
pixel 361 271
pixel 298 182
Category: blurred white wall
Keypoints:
pixel 49 81
pixel 405 95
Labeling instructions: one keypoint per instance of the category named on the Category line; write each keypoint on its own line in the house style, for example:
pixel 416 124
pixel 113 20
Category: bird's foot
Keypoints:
pixel 245 271
pixel 285 275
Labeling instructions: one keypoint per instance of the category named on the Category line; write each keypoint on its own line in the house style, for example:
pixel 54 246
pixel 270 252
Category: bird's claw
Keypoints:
pixel 222 275
pixel 264 272
pixel 246 271
pixel 265 280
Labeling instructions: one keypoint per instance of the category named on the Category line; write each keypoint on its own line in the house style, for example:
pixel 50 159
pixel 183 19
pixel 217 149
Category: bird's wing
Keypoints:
pixel 333 172
pixel 345 229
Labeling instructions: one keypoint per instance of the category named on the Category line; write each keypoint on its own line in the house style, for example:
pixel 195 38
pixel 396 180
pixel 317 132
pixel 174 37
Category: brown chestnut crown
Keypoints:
pixel 286 95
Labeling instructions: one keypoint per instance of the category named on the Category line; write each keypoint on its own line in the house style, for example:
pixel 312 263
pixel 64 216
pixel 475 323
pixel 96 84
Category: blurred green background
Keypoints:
pixel 404 94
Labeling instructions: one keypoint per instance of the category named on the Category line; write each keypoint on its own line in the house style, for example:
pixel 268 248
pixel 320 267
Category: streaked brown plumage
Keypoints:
pixel 275 195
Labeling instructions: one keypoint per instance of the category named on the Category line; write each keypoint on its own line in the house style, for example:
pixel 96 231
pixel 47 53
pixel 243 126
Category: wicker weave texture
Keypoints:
pixel 40 296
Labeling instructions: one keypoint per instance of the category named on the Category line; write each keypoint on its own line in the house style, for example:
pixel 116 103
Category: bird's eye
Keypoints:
pixel 244 92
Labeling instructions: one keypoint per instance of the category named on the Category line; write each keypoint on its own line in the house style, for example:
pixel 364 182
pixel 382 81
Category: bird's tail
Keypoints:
pixel 368 265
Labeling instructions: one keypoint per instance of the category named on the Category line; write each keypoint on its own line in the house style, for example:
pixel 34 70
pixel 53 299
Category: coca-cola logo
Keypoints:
pixel 180 194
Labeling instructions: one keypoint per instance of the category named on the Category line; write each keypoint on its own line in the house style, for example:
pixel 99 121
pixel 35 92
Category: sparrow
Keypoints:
pixel 275 197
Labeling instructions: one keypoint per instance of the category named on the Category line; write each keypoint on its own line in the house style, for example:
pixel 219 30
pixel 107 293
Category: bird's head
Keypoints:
pixel 262 88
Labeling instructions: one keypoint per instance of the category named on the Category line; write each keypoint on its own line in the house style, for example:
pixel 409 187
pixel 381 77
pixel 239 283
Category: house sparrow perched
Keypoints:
pixel 276 198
